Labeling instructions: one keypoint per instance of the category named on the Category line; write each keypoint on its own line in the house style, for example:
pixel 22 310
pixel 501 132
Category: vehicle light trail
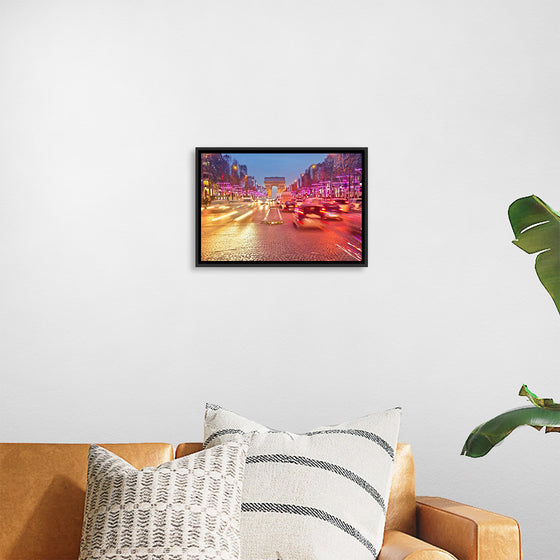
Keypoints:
pixel 358 249
pixel 348 252
pixel 244 215
pixel 224 216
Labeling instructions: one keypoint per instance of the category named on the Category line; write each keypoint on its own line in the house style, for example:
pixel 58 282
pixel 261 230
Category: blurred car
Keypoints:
pixel 331 211
pixel 354 226
pixel 355 205
pixel 308 214
pixel 288 206
pixel 343 204
pixel 218 206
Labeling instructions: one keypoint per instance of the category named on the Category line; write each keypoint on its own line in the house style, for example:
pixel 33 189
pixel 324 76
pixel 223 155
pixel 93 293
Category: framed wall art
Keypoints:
pixel 281 206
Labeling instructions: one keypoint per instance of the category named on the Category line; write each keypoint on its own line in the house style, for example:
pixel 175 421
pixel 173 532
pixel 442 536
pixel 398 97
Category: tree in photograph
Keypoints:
pixel 346 167
pixel 235 173
pixel 215 169
pixel 328 168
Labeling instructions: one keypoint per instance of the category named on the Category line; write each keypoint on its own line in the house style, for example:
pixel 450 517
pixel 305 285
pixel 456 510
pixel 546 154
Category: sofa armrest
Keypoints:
pixel 401 546
pixel 467 532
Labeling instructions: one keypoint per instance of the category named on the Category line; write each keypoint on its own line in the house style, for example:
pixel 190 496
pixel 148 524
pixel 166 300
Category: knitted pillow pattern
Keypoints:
pixel 187 509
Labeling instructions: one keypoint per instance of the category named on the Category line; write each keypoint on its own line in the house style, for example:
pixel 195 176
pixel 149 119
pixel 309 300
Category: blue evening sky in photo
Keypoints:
pixel 290 166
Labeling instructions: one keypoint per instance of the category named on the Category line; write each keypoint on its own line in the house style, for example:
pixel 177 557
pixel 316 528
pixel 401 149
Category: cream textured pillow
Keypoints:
pixel 187 509
pixel 321 495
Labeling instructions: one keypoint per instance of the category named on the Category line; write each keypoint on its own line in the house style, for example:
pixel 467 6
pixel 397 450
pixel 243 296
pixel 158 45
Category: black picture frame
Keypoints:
pixel 213 196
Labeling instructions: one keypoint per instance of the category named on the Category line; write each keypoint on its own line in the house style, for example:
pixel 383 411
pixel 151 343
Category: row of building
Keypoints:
pixel 222 177
pixel 338 175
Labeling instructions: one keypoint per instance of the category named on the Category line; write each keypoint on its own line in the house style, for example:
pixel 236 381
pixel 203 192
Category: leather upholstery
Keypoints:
pixel 42 492
pixel 187 448
pixel 400 546
pixel 467 532
pixel 401 509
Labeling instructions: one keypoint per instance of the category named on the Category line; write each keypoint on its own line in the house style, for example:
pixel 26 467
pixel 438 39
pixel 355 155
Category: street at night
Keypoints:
pixel 291 206
pixel 241 233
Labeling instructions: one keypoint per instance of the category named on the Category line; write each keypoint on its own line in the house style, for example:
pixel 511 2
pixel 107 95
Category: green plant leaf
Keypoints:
pixel 536 227
pixel 537 401
pixel 483 438
pixel 544 413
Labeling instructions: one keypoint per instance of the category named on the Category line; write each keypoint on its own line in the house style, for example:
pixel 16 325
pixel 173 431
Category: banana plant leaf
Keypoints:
pixel 543 413
pixel 536 227
pixel 487 435
pixel 537 401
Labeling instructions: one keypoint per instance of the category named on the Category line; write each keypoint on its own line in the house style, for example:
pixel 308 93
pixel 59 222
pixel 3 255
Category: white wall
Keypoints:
pixel 109 333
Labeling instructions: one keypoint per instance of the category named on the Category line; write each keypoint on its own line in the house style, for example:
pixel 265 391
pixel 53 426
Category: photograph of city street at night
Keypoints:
pixel 281 206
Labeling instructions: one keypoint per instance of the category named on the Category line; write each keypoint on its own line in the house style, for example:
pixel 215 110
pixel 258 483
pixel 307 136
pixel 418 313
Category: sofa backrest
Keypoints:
pixel 401 510
pixel 42 494
pixel 43 485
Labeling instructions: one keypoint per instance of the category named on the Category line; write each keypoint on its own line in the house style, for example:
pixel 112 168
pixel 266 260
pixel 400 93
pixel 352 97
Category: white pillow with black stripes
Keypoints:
pixel 313 496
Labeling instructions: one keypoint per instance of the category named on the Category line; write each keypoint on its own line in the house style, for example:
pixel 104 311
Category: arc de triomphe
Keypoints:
pixel 278 182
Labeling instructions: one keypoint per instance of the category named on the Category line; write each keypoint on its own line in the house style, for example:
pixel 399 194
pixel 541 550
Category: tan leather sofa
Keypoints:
pixel 42 492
